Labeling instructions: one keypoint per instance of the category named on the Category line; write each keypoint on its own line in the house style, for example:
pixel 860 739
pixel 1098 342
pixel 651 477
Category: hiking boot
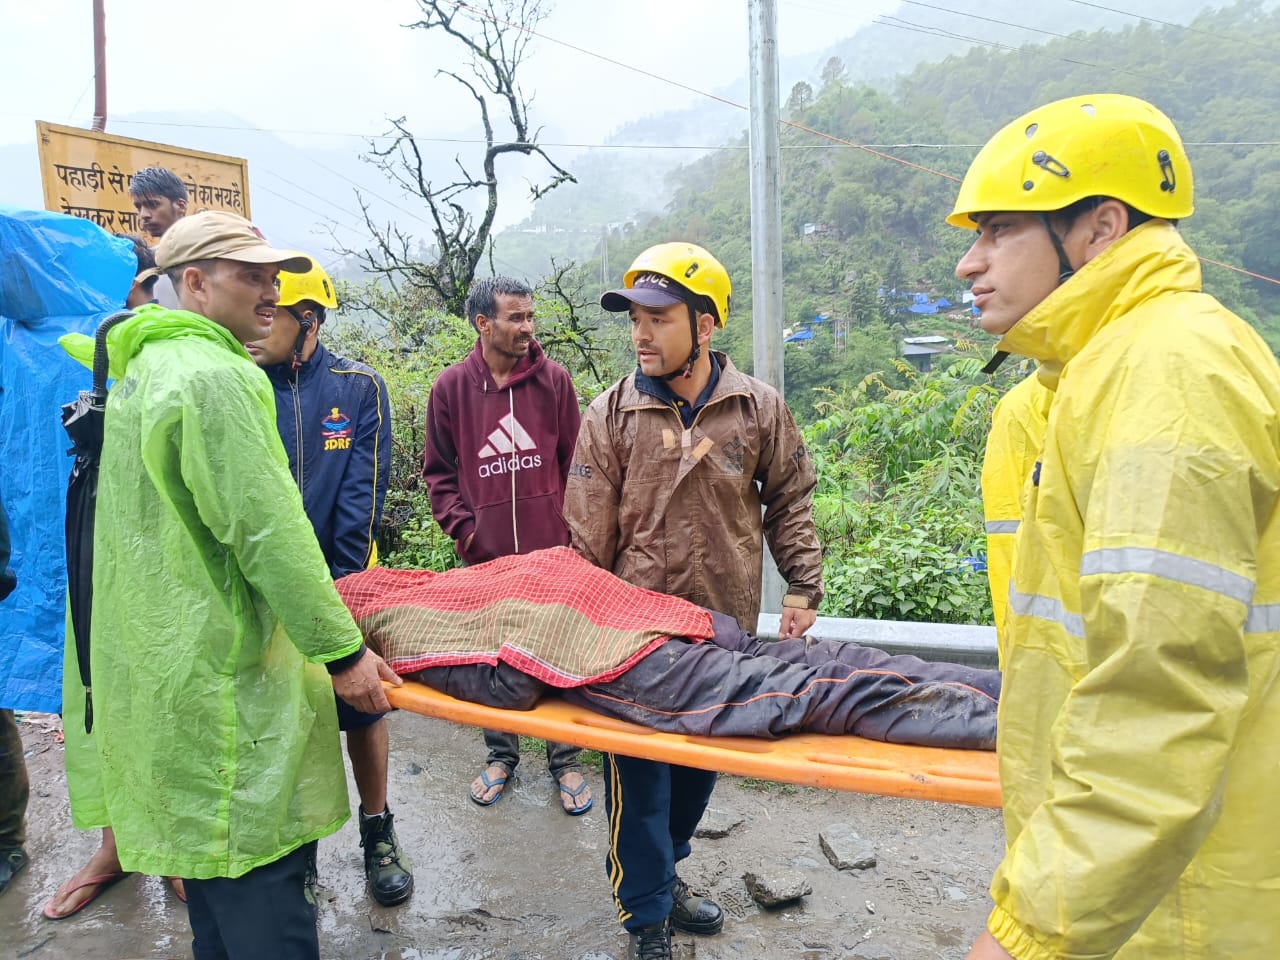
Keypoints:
pixel 389 882
pixel 651 943
pixel 11 863
pixel 692 912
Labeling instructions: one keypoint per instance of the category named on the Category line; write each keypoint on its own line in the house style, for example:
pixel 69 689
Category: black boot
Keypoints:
pixel 651 943
pixel 389 881
pixel 693 913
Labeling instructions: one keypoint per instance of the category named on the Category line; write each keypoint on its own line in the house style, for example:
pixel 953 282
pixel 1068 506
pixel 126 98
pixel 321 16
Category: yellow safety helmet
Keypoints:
pixel 1101 145
pixel 313 285
pixel 694 270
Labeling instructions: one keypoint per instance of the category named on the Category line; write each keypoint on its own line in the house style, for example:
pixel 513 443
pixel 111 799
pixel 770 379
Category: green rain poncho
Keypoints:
pixel 218 739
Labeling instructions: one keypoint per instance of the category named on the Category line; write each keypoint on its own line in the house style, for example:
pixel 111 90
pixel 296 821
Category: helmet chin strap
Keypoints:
pixel 686 371
pixel 305 324
pixel 1065 270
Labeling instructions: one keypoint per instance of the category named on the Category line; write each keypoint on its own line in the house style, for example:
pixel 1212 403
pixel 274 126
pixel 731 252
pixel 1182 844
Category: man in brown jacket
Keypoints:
pixel 681 470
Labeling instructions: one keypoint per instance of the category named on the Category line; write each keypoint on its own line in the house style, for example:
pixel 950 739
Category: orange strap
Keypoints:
pixel 809 759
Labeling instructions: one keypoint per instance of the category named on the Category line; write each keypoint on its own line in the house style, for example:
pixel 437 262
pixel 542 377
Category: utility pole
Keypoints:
pixel 99 65
pixel 766 227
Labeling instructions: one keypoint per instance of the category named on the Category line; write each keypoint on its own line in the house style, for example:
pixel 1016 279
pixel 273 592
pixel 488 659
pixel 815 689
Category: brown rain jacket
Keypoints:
pixel 679 511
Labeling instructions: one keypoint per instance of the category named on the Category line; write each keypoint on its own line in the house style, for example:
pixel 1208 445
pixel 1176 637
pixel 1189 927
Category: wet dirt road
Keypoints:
pixel 522 881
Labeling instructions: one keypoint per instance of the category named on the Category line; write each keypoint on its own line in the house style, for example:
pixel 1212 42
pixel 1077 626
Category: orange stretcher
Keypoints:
pixel 809 759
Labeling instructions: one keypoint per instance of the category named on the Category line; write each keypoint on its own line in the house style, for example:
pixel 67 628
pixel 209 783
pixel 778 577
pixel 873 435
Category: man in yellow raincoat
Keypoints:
pixel 1140 717
pixel 214 616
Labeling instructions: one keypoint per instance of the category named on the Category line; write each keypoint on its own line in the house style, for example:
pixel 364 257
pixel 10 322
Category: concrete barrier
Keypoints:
pixel 975 646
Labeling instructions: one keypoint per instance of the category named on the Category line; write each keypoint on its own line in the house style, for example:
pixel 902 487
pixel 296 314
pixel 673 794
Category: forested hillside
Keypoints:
pixel 876 226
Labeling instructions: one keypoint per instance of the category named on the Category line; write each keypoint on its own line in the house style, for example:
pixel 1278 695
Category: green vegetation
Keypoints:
pixel 897 505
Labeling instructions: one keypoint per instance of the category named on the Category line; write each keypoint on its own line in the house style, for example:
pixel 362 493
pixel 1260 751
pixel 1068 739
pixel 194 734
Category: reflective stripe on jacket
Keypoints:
pixel 1140 717
pixel 679 511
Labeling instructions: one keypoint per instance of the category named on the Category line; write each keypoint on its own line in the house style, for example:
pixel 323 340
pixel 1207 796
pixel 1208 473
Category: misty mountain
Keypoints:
pixel 625 184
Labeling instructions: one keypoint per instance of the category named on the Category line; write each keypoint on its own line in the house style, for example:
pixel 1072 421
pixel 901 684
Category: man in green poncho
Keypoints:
pixel 214 611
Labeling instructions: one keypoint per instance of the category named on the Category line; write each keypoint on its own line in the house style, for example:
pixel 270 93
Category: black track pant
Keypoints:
pixel 264 915
pixel 737 685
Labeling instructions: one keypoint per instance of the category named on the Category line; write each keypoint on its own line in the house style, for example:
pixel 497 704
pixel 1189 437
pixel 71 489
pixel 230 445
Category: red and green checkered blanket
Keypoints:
pixel 549 614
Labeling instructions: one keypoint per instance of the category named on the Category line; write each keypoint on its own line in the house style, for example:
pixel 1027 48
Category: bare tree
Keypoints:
pixel 496 35
pixel 567 334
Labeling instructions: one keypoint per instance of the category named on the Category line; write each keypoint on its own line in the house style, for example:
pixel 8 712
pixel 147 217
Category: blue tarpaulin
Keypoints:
pixel 799 335
pixel 58 274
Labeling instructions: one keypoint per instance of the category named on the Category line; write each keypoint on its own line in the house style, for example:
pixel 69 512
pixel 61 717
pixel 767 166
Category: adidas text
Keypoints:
pixel 510 464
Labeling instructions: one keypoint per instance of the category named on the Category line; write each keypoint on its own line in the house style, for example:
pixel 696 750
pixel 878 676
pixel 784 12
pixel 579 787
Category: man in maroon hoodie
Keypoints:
pixel 501 427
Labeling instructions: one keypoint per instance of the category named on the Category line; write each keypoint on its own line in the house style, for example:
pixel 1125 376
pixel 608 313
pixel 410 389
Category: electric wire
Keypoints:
pixel 1180 26
pixel 702 147
pixel 927 30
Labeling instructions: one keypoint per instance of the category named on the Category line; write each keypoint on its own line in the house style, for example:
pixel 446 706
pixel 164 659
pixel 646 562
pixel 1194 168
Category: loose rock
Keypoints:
pixel 845 849
pixel 774 886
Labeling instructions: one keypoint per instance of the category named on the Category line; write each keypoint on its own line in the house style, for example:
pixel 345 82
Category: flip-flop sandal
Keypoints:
pixel 102 882
pixel 499 782
pixel 577 811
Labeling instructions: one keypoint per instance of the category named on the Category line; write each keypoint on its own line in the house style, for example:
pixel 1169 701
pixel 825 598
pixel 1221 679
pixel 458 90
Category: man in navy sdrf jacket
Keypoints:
pixel 334 417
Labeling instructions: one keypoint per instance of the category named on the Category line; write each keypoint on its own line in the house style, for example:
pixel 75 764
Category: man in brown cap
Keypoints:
pixel 214 611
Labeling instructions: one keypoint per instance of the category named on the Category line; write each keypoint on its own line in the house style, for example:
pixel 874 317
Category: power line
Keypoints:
pixel 87 85
pixel 386 136
pixel 1247 273
pixel 835 144
pixel 931 31
pixel 1179 26
pixel 301 206
pixel 1002 23
pixel 312 193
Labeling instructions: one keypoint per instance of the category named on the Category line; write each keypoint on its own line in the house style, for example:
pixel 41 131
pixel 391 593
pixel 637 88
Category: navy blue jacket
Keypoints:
pixel 335 420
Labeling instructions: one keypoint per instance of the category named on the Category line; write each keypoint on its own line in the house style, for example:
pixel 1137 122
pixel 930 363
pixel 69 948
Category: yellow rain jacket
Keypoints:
pixel 1140 716
pixel 1013 446
pixel 218 739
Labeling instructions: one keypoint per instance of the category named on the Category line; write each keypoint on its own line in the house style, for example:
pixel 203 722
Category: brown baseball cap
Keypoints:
pixel 220 235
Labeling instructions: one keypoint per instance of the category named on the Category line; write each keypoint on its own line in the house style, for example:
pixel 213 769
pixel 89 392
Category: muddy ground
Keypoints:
pixel 522 881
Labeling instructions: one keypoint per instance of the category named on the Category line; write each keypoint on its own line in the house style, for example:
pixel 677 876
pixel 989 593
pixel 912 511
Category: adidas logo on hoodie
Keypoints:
pixel 508 442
